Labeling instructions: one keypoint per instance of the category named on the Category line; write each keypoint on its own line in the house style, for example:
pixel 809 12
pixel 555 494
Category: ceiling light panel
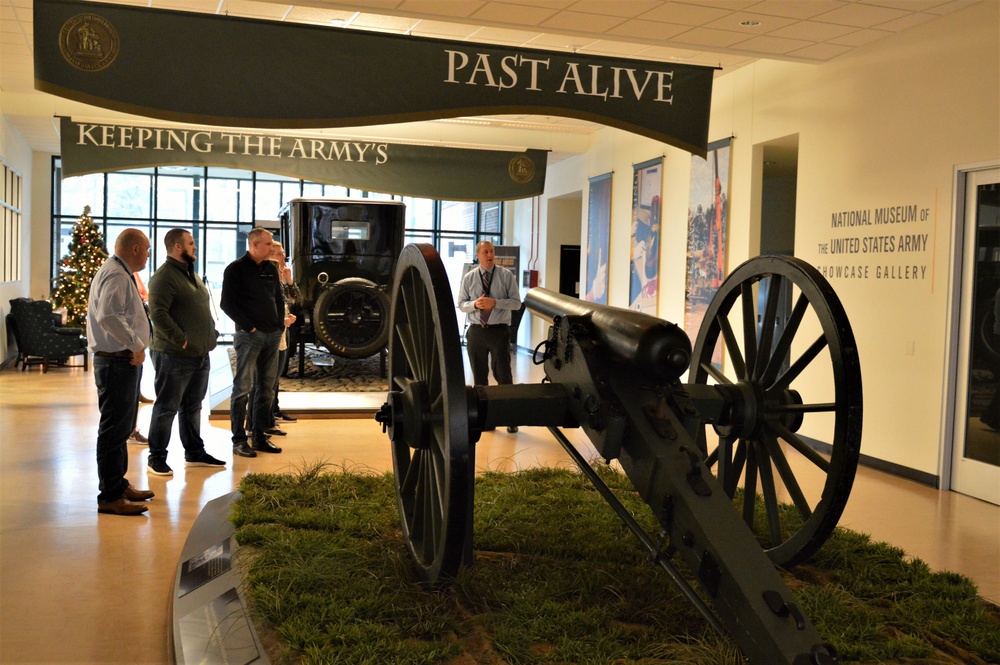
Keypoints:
pixel 579 22
pixel 685 14
pixel 501 12
pixel 441 8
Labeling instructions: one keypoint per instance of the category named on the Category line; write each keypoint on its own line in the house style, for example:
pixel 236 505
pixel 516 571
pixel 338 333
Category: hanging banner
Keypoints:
pixel 708 219
pixel 219 70
pixel 595 277
pixel 453 174
pixel 647 181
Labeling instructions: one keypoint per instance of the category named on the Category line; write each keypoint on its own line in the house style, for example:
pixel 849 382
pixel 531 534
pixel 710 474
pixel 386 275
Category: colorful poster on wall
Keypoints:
pixel 707 222
pixel 598 237
pixel 647 184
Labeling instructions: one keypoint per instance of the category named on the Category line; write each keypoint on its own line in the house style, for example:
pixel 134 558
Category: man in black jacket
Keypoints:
pixel 251 297
pixel 183 334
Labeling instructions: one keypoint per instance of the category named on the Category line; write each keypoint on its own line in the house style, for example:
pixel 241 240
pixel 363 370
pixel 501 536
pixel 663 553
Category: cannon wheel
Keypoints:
pixel 350 318
pixel 432 455
pixel 819 338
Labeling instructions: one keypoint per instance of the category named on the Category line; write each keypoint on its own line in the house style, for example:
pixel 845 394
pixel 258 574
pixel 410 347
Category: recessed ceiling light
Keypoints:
pixel 749 24
pixel 337 21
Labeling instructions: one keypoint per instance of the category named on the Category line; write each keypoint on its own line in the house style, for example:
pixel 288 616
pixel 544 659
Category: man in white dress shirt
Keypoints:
pixel 488 296
pixel 118 332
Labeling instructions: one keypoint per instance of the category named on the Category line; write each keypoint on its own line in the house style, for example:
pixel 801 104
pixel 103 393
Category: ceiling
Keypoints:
pixel 721 33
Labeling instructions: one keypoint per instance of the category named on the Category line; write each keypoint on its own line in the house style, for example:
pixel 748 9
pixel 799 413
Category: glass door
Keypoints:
pixel 976 451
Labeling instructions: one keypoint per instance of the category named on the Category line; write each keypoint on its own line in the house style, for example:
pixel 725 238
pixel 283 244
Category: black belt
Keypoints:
pixel 490 325
pixel 114 354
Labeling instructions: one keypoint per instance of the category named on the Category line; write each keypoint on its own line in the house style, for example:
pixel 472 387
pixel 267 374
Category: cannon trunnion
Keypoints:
pixel 615 374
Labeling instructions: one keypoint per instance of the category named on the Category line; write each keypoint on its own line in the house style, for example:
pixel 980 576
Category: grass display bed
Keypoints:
pixel 557 579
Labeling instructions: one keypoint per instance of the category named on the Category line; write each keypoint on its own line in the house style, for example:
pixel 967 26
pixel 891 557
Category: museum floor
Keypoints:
pixel 76 587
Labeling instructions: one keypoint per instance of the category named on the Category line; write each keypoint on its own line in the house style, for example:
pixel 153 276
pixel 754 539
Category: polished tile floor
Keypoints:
pixel 78 587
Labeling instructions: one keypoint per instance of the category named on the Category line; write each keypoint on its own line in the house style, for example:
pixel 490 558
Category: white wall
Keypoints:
pixel 882 126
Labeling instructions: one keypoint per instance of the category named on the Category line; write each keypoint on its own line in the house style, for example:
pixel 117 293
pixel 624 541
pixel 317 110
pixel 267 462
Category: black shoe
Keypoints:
pixel 512 429
pixel 284 417
pixel 243 450
pixel 275 431
pixel 266 447
pixel 206 460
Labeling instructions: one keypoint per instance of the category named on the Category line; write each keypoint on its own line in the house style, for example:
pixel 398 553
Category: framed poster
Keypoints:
pixel 647 184
pixel 598 237
pixel 707 222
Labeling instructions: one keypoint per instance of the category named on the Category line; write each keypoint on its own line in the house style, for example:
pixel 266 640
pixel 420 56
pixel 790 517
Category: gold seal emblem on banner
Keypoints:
pixel 521 169
pixel 89 42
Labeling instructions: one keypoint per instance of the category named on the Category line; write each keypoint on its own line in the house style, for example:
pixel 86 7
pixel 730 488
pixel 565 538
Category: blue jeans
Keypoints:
pixel 256 354
pixel 117 391
pixel 181 384
pixel 272 417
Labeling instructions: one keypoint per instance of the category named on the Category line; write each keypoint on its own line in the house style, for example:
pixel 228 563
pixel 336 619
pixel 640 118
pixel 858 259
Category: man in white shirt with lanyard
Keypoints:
pixel 118 332
pixel 488 296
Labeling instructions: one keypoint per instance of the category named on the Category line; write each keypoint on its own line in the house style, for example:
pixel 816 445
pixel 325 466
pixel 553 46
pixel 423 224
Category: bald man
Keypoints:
pixel 118 333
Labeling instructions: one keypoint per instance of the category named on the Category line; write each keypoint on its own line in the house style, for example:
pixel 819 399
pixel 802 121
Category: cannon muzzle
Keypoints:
pixel 654 348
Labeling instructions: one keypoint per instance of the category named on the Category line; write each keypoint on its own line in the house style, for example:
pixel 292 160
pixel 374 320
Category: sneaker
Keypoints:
pixel 158 467
pixel 281 416
pixel 137 439
pixel 205 460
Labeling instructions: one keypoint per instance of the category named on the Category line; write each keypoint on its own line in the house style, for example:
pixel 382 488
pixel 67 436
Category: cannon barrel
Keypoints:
pixel 656 349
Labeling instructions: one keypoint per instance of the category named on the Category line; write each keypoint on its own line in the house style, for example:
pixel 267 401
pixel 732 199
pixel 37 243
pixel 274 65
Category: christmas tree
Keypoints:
pixel 77 269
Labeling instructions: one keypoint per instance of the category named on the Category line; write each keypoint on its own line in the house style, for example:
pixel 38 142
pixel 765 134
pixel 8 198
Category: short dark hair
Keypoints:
pixel 256 233
pixel 173 237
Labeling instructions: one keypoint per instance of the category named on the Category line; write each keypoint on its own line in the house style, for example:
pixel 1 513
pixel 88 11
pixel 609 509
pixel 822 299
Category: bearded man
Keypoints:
pixel 183 334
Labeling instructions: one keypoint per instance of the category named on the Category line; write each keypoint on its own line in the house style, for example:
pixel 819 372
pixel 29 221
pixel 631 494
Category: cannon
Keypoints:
pixel 616 374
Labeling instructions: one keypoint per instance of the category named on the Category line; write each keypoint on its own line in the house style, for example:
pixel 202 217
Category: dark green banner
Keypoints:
pixel 451 174
pixel 217 70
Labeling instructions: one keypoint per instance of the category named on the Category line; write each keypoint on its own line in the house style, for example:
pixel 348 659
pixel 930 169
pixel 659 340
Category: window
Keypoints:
pixel 10 243
pixel 220 206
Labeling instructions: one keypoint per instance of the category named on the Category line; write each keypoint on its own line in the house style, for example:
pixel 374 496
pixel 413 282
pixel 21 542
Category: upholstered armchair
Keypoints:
pixel 39 340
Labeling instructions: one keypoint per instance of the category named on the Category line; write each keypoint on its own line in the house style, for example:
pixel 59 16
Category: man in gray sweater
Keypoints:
pixel 183 334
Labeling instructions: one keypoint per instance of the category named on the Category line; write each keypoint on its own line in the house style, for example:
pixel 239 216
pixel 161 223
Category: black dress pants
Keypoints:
pixel 489 349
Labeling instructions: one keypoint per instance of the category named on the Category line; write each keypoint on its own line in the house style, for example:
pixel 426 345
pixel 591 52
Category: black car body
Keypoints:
pixel 343 256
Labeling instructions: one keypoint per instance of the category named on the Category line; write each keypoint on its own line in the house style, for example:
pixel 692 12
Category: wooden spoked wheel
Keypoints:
pixel 426 414
pixel 788 378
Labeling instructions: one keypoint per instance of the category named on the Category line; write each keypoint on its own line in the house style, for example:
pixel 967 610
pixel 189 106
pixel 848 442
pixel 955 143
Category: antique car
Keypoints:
pixel 343 256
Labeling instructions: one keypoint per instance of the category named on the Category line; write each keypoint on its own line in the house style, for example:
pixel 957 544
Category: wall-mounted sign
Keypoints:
pixel 219 70
pixel 892 242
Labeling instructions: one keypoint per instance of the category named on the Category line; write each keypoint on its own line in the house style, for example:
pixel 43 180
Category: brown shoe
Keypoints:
pixel 122 507
pixel 133 494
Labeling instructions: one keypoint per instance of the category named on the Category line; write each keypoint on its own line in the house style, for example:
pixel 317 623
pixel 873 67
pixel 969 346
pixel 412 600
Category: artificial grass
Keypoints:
pixel 557 579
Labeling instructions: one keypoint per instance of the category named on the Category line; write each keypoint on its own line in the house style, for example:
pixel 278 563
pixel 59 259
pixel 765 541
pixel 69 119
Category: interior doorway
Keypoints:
pixel 779 179
pixel 975 443
pixel 779 168
pixel 569 270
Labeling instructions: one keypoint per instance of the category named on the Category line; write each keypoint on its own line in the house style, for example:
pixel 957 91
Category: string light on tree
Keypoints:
pixel 87 253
